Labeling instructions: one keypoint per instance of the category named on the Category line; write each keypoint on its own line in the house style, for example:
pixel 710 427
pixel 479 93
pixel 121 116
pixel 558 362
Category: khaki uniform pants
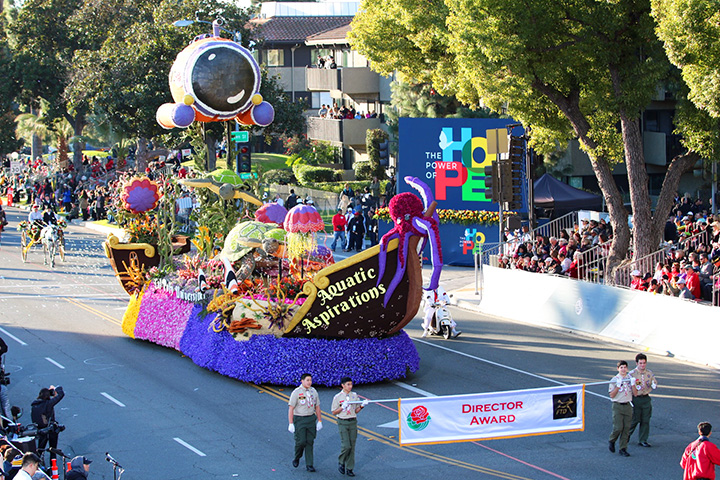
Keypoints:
pixel 348 436
pixel 304 437
pixel 642 411
pixel 622 417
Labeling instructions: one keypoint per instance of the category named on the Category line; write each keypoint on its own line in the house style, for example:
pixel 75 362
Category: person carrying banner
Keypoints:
pixel 346 412
pixel 644 382
pixel 621 393
pixel 303 410
pixel 701 456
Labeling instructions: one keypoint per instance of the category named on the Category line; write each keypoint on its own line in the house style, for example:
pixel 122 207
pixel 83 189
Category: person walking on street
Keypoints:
pixel 346 412
pixel 701 456
pixel 303 413
pixel 644 382
pixel 621 393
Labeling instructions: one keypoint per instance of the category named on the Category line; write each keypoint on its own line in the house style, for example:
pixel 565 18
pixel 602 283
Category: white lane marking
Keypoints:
pixel 45 295
pixel 59 285
pixel 505 366
pixel 414 389
pixel 394 424
pixel 12 336
pixel 112 399
pixel 54 362
pixel 189 447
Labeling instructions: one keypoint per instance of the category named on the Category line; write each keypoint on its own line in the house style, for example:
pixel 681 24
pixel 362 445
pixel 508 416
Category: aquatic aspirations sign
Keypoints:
pixel 485 416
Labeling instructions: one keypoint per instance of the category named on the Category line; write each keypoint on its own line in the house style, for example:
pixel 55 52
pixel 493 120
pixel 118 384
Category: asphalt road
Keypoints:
pixel 163 417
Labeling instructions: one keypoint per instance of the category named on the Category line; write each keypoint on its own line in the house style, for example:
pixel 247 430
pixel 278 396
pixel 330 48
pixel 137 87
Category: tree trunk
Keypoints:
pixel 643 239
pixel 678 166
pixel 569 105
pixel 36 142
pixel 78 124
pixel 141 156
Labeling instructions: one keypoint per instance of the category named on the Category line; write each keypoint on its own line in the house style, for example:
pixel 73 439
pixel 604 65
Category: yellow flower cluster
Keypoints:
pixel 462 217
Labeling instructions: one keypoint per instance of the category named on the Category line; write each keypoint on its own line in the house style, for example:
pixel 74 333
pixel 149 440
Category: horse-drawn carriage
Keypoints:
pixel 49 236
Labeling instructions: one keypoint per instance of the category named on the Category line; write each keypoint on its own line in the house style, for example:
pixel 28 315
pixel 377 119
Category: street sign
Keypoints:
pixel 246 176
pixel 241 136
pixel 16 167
pixel 186 152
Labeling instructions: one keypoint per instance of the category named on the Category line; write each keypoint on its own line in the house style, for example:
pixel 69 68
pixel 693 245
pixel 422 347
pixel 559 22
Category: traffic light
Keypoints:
pixel 515 169
pixel 244 162
pixel 492 182
pixel 383 153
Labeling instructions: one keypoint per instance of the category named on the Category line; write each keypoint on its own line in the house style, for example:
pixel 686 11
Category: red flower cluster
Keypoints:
pixel 419 414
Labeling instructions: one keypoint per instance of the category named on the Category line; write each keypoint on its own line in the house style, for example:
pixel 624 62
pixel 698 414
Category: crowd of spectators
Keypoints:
pixel 689 263
pixel 86 193
pixel 339 113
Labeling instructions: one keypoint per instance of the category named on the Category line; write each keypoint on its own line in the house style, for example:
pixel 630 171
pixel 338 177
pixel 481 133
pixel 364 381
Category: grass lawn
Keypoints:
pixel 270 161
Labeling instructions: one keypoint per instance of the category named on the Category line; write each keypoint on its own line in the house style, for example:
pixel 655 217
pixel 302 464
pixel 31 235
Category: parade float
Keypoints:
pixel 265 301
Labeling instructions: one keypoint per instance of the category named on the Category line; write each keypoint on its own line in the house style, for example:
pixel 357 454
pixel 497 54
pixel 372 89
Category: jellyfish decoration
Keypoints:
pixel 215 79
pixel 271 213
pixel 412 216
pixel 301 223
pixel 140 195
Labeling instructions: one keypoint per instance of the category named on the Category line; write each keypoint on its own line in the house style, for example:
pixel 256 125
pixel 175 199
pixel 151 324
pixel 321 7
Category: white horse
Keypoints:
pixel 50 242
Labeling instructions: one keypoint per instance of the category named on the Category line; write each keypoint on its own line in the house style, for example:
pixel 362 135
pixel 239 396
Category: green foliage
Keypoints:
pixel 373 138
pixel 357 186
pixel 690 30
pixel 279 177
pixel 302 150
pixel 219 216
pixel 363 170
pixel 308 175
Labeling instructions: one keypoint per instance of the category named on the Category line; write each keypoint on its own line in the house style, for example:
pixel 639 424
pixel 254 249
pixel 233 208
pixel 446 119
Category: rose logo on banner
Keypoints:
pixel 419 418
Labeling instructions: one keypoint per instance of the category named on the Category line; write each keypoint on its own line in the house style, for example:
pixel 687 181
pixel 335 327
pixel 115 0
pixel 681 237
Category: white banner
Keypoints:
pixel 485 416
pixel 186 152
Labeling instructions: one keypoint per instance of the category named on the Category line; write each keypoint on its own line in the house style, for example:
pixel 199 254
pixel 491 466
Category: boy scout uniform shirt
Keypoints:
pixel 643 380
pixel 304 401
pixel 624 395
pixel 348 409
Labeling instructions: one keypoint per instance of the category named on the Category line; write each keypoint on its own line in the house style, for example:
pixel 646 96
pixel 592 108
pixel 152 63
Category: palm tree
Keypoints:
pixel 32 128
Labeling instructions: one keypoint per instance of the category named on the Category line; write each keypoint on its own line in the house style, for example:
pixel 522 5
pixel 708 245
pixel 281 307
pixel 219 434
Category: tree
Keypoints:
pixel 563 68
pixel 44 42
pixel 690 38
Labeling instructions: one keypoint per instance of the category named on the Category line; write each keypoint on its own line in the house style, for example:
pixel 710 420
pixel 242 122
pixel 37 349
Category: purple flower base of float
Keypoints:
pixel 281 361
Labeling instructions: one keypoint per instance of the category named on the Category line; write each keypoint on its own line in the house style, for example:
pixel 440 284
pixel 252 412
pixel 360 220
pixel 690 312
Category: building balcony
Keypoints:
pixel 352 81
pixel 347 133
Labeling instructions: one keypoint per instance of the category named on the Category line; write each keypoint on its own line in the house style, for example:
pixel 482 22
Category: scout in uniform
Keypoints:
pixel 303 411
pixel 344 408
pixel 644 383
pixel 621 394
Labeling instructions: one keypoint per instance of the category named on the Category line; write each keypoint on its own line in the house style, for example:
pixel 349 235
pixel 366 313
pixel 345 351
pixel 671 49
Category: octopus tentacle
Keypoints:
pixel 382 256
pixel 400 271
pixel 425 193
pixel 429 230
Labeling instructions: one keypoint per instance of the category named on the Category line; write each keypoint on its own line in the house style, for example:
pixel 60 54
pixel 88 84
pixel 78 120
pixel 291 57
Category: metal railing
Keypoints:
pixel 646 264
pixel 553 228
pixel 592 263
pixel 715 289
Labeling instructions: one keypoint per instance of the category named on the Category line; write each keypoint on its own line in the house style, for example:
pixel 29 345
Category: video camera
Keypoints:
pixel 53 427
pixel 4 377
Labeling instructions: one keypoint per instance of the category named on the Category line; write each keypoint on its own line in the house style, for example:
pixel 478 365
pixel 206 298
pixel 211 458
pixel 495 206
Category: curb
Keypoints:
pixel 101 228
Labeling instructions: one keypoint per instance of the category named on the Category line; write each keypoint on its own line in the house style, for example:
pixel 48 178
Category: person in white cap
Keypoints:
pixel 637 282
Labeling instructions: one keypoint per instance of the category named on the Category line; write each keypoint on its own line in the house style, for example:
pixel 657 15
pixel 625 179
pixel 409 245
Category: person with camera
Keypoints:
pixel 4 382
pixel 43 415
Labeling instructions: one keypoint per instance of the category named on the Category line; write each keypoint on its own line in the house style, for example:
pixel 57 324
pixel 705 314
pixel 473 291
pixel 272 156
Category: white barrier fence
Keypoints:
pixel 657 322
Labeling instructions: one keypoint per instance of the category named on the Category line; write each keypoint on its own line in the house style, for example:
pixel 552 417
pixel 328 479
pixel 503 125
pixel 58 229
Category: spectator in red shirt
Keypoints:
pixel 339 223
pixel 637 282
pixel 701 456
pixel 693 281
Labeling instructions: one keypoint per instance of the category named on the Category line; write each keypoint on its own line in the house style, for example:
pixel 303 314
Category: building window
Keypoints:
pixel 321 98
pixel 275 57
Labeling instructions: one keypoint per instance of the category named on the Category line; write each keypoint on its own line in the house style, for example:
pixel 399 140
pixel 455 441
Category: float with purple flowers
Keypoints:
pixel 272 303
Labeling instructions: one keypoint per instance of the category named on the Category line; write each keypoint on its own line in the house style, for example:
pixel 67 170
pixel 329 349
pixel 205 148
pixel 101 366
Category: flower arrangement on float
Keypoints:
pixel 462 217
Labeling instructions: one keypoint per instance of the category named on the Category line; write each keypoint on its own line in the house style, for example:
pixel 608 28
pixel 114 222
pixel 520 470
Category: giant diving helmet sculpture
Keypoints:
pixel 215 79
